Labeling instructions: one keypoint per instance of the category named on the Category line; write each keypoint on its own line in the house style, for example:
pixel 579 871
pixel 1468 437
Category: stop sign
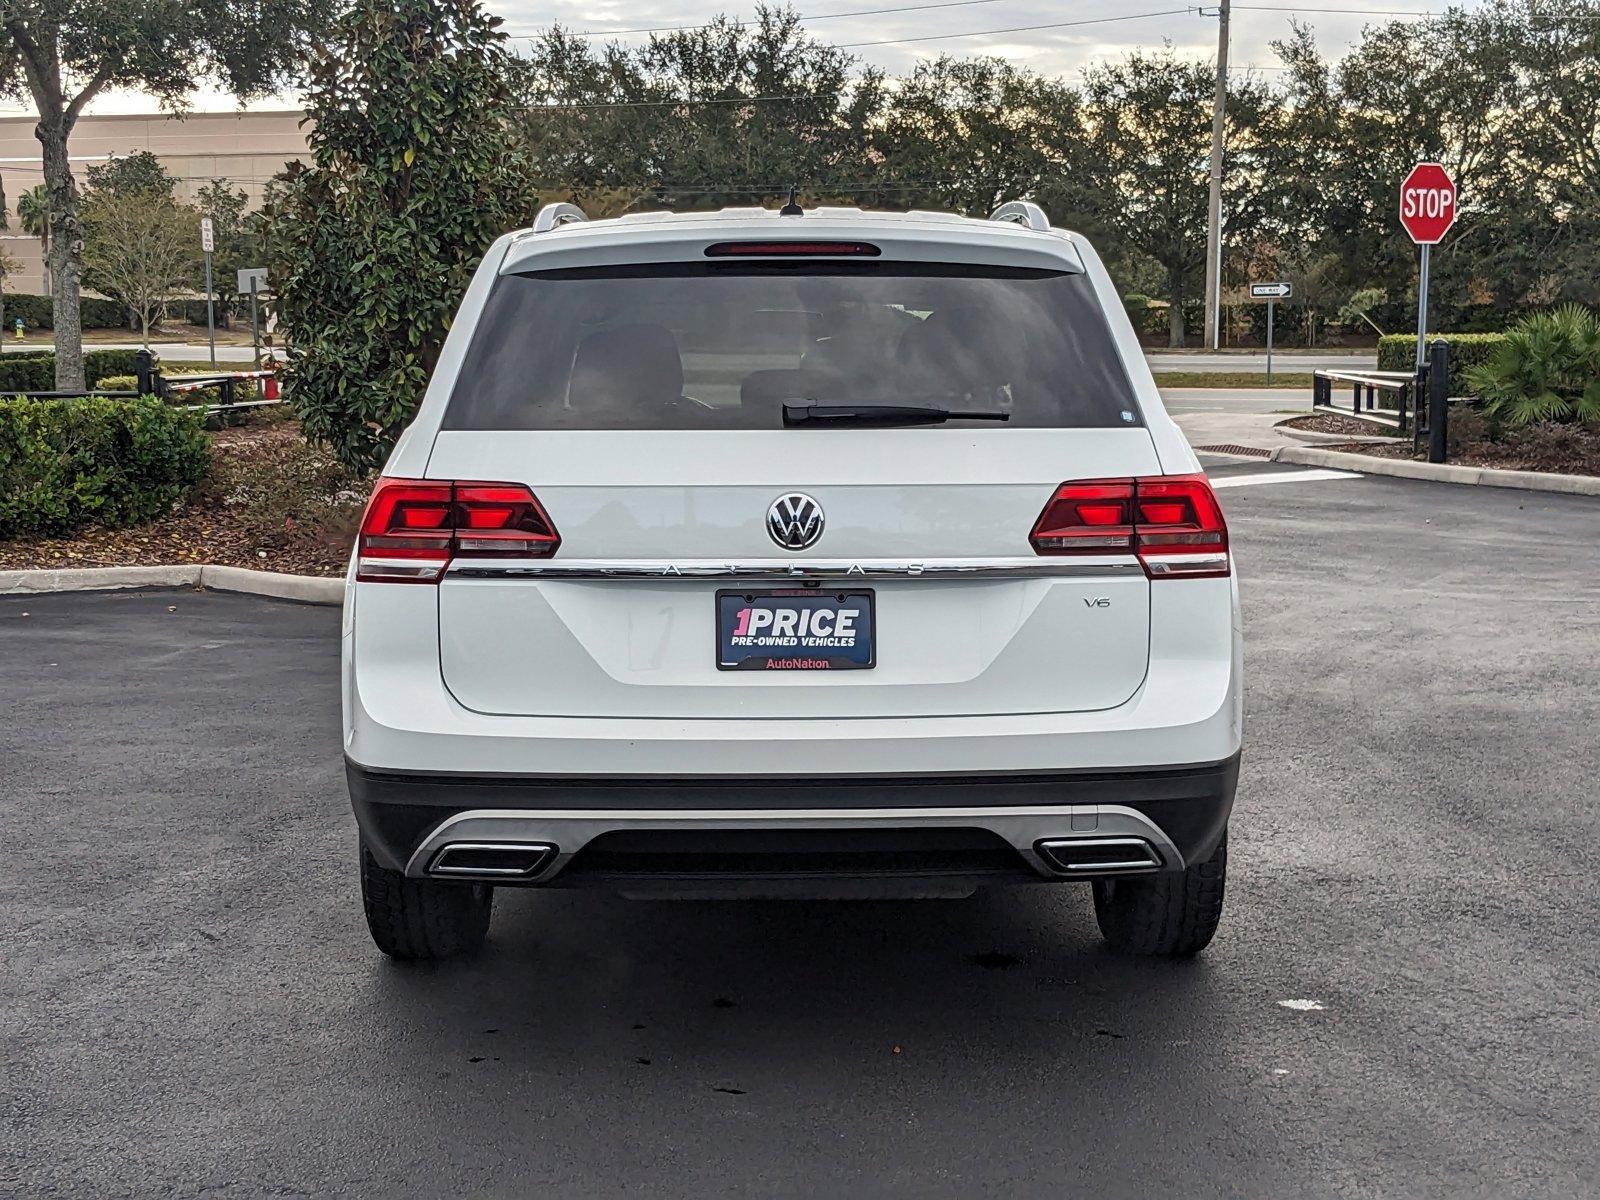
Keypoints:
pixel 1427 203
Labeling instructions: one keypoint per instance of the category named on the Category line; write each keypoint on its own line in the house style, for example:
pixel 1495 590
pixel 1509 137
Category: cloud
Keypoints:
pixel 1063 52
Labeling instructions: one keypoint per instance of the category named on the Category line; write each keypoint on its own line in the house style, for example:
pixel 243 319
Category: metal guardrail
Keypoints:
pixel 152 382
pixel 226 383
pixel 1427 414
pixel 1365 385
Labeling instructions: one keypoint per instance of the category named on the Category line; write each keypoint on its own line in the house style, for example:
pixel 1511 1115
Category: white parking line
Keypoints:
pixel 1283 477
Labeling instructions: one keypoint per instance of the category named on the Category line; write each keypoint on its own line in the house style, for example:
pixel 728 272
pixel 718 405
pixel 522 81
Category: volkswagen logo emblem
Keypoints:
pixel 795 521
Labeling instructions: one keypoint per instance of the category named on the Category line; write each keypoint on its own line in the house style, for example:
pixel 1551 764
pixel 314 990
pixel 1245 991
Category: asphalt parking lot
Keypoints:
pixel 1401 1000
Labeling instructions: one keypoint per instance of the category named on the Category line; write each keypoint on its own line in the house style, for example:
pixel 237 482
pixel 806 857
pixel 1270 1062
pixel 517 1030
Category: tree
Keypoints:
pixel 970 133
pixel 8 268
pixel 123 174
pixel 33 212
pixel 414 172
pixel 1148 136
pixel 139 246
pixel 1410 91
pixel 727 114
pixel 60 54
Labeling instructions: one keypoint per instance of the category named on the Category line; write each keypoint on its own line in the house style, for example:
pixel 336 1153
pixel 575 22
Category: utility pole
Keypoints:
pixel 1219 107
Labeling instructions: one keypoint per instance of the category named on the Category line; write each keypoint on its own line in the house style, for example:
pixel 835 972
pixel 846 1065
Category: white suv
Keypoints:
pixel 779 554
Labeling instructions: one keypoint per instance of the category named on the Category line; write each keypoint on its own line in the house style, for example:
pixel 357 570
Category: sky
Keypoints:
pixel 1110 28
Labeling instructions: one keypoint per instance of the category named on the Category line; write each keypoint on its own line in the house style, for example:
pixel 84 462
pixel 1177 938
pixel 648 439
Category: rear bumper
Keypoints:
pixel 399 716
pixel 1180 812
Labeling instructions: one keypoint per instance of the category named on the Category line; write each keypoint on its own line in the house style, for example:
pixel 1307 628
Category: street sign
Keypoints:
pixel 1271 293
pixel 252 281
pixel 1428 203
pixel 208 244
pixel 1427 210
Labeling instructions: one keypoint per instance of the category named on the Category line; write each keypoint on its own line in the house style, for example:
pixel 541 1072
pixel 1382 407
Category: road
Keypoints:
pixel 1178 401
pixel 171 351
pixel 1158 360
pixel 1400 1000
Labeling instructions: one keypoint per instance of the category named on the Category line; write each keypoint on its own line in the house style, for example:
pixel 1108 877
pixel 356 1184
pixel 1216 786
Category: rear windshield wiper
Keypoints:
pixel 880 414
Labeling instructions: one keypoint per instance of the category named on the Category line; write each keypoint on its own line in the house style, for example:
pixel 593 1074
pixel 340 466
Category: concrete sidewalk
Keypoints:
pixel 1236 416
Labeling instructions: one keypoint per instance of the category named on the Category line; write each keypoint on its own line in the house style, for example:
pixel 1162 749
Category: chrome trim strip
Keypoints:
pixel 572 829
pixel 780 569
pixel 1176 565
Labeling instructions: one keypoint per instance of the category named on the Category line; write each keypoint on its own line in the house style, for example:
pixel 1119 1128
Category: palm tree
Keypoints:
pixel 1546 369
pixel 33 210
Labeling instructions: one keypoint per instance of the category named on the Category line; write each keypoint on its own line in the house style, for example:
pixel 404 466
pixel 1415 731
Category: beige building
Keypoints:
pixel 245 148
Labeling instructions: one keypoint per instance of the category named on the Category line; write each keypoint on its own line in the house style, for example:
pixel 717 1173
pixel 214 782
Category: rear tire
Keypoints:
pixel 1171 915
pixel 420 918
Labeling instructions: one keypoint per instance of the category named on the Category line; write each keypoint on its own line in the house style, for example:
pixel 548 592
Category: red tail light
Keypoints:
pixel 1172 522
pixel 789 249
pixel 414 527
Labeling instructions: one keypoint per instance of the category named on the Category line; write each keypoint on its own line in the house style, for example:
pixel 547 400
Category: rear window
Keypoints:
pixel 726 345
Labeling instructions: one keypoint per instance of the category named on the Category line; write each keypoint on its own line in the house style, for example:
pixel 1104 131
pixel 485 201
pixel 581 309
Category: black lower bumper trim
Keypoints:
pixel 397 811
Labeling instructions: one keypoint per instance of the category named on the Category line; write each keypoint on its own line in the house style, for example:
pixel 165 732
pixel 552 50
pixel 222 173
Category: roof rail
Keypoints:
pixel 559 213
pixel 1022 212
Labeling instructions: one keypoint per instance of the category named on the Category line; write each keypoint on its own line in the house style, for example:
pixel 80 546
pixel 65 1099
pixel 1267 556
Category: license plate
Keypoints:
pixel 794 631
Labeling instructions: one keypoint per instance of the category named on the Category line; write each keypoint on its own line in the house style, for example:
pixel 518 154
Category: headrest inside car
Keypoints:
pixel 625 367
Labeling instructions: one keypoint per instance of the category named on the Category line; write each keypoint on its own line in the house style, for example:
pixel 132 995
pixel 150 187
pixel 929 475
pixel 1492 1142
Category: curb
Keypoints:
pixel 308 589
pixel 1369 464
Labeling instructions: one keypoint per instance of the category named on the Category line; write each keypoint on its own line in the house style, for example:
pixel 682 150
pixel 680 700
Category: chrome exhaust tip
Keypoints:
pixel 1098 856
pixel 492 862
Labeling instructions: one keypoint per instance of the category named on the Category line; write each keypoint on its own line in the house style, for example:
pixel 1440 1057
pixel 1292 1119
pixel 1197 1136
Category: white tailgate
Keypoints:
pixel 647 647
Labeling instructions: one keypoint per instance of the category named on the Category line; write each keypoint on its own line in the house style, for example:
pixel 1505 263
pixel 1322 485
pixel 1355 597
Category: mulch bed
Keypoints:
pixel 1341 425
pixel 272 503
pixel 1563 450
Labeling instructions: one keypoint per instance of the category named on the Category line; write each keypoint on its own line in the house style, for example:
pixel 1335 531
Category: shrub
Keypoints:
pixel 35 370
pixel 1547 368
pixel 28 373
pixel 117 383
pixel 37 312
pixel 109 362
pixel 65 463
pixel 1398 352
pixel 373 242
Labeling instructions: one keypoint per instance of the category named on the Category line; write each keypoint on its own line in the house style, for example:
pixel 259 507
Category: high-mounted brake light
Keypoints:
pixel 414 527
pixel 1172 522
pixel 789 249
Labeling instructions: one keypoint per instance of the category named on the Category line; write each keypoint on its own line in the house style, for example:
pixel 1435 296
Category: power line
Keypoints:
pixel 669 103
pixel 944 37
pixel 1361 12
pixel 1402 12
pixel 866 12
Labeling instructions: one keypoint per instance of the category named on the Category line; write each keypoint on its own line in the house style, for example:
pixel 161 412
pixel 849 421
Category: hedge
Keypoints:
pixel 38 312
pixel 35 370
pixel 1398 352
pixel 66 463
pixel 97 364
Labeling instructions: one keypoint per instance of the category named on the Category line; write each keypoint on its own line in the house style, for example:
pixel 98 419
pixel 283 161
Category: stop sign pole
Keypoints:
pixel 1427 210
